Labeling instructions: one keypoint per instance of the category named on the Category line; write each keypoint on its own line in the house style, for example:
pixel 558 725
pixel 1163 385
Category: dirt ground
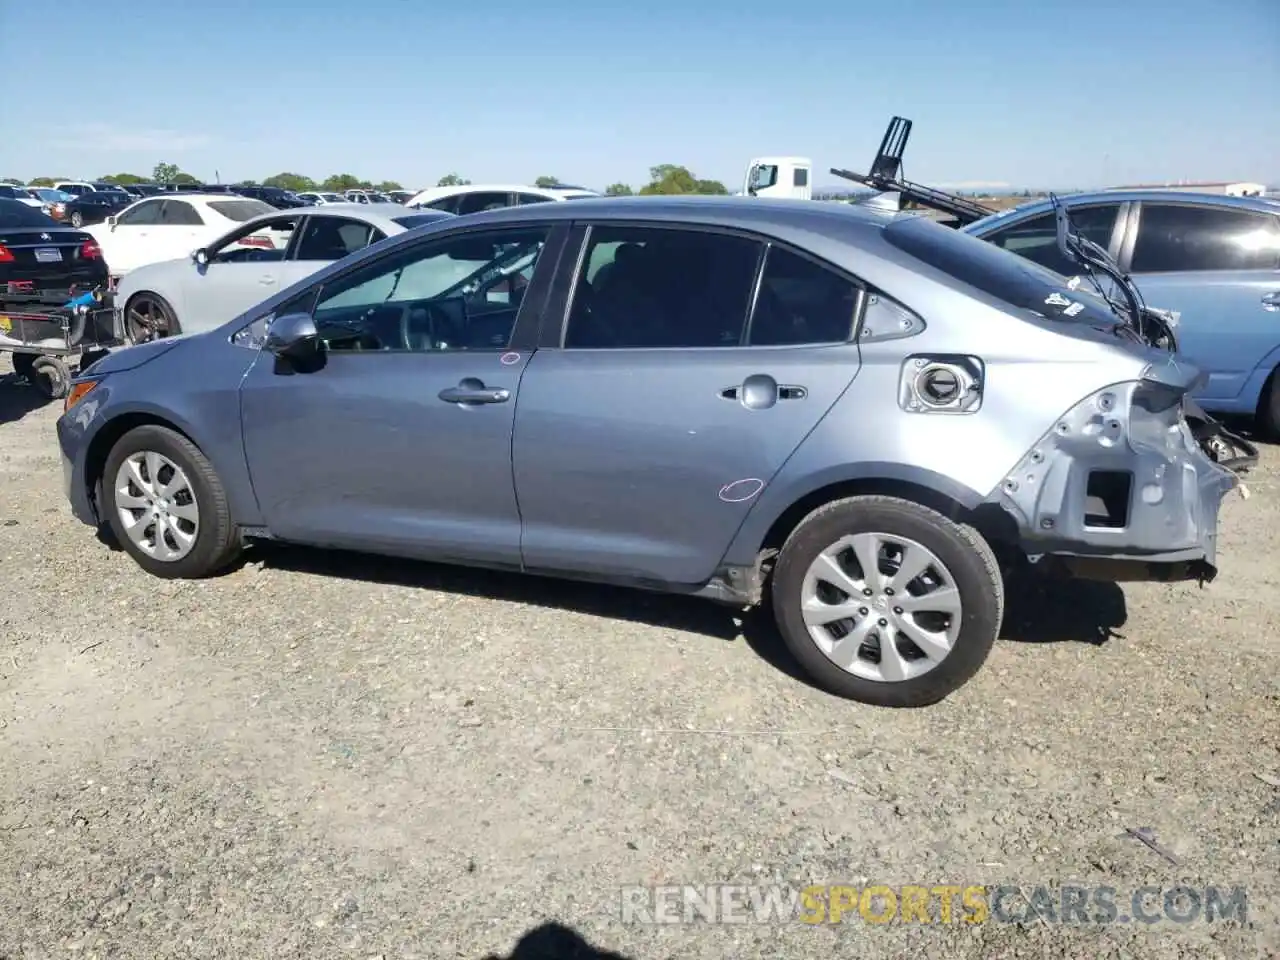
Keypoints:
pixel 332 756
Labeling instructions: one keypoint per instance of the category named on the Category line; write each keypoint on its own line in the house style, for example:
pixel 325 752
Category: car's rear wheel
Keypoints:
pixel 886 601
pixel 1269 408
pixel 148 316
pixel 77 218
pixel 166 506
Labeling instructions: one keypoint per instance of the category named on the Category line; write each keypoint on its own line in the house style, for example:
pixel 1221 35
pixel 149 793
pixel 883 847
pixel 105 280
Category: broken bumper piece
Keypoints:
pixel 1119 489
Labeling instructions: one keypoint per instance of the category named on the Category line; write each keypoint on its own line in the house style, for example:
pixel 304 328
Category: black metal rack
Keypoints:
pixel 885 176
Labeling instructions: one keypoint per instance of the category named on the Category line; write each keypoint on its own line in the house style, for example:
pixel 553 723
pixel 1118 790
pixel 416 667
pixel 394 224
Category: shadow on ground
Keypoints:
pixel 18 398
pixel 553 941
pixel 1037 610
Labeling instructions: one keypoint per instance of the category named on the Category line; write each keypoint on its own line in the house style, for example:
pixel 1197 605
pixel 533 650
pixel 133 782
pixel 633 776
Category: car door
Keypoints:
pixel 396 437
pixel 673 396
pixel 125 243
pixel 244 267
pixel 181 230
pixel 1218 267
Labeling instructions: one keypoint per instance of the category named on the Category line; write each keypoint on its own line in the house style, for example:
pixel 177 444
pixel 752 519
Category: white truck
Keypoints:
pixel 787 178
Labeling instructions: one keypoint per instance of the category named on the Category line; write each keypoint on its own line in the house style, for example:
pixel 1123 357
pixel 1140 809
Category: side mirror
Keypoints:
pixel 111 222
pixel 292 335
pixel 201 257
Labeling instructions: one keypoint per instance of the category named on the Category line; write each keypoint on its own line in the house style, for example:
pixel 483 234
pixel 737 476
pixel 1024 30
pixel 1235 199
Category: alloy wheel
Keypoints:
pixel 145 319
pixel 157 505
pixel 881 607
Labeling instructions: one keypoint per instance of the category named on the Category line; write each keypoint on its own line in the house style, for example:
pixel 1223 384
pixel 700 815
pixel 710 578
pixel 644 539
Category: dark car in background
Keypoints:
pixel 275 196
pixel 95 206
pixel 38 254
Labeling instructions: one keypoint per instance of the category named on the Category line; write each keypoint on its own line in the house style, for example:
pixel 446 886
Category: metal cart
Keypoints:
pixel 48 333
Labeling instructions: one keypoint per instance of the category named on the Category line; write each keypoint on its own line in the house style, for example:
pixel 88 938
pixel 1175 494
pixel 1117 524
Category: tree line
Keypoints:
pixel 664 179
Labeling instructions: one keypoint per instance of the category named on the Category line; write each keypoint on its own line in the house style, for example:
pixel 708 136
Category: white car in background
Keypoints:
pixel 164 228
pixel 207 287
pixel 474 197
pixel 318 198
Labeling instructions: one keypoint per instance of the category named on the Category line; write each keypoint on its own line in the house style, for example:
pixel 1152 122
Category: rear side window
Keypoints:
pixel 801 301
pixel 986 267
pixel 653 288
pixel 1037 238
pixel 240 210
pixel 9 193
pixel 476 202
pixel 1178 237
pixel 179 213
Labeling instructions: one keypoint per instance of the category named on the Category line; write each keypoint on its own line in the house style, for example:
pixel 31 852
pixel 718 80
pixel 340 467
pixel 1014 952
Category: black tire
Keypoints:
pixel 1269 408
pixel 968 558
pixel 23 363
pixel 217 541
pixel 163 318
pixel 50 376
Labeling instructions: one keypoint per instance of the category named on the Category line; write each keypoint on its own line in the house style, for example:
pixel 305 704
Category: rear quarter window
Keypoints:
pixel 240 210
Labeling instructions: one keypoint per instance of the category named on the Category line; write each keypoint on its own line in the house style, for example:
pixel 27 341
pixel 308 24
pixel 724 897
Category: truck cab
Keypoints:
pixel 779 177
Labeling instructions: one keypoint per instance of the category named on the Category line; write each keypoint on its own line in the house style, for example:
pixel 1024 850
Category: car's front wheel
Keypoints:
pixel 148 316
pixel 166 506
pixel 77 219
pixel 886 601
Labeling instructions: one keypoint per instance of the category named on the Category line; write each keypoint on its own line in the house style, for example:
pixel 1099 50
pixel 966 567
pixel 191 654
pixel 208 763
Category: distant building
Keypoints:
pixel 1238 189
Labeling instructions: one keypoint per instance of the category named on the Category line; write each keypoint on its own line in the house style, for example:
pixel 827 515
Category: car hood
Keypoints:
pixel 121 359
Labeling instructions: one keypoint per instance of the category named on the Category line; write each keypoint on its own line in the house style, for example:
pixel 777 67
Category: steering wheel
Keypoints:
pixel 437 322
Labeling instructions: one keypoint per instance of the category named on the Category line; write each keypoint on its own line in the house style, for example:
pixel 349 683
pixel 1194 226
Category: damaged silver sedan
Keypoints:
pixel 859 418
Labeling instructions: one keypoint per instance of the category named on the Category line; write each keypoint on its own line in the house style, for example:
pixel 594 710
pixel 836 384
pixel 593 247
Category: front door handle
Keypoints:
pixel 1271 301
pixel 267 280
pixel 760 391
pixel 472 390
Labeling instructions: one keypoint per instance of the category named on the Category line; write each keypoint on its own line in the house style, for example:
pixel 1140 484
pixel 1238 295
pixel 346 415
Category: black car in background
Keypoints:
pixel 96 206
pixel 276 197
pixel 38 255
pixel 140 191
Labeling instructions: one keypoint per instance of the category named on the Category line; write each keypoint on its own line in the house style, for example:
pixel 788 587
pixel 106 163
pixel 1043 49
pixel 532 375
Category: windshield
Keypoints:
pixel 240 210
pixel 51 195
pixel 995 271
pixel 16 214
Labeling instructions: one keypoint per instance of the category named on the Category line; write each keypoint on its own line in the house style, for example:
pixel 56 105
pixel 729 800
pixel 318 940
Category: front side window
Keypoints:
pixel 144 214
pixel 332 238
pixel 267 240
pixel 763 176
pixel 1036 238
pixel 179 213
pixel 1178 237
pixel 652 287
pixel 452 293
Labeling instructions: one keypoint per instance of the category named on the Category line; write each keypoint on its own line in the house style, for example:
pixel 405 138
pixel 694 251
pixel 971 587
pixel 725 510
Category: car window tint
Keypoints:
pixel 482 200
pixel 1173 237
pixel 527 198
pixel 178 213
pixel 455 293
pixel 654 287
pixel 332 238
pixel 1037 238
pixel 144 213
pixel 15 214
pixel 801 301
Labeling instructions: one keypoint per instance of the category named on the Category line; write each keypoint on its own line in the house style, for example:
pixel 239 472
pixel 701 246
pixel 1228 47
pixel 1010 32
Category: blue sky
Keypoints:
pixel 1030 93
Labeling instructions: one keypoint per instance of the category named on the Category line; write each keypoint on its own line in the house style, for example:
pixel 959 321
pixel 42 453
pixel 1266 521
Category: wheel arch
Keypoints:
pixel 769 529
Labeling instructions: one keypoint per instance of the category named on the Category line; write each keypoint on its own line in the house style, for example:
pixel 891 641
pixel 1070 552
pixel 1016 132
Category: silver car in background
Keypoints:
pixel 250 263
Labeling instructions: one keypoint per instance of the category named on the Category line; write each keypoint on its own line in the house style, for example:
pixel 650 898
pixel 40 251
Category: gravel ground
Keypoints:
pixel 322 755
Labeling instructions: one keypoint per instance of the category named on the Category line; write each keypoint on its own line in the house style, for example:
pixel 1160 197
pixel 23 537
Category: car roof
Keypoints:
pixel 435 192
pixel 1255 204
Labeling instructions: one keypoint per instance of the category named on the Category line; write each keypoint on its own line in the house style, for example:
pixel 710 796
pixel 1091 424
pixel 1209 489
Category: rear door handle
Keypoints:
pixel 760 391
pixel 1271 301
pixel 472 390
